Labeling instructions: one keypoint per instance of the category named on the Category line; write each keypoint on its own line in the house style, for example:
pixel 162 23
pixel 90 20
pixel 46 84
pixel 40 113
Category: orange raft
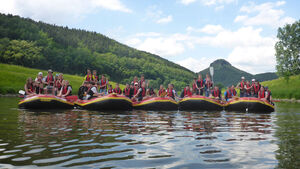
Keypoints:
pixel 249 104
pixel 106 103
pixel 47 102
pixel 200 103
pixel 156 104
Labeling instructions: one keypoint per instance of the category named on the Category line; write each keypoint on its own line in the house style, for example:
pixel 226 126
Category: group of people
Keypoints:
pixel 50 84
pixel 138 89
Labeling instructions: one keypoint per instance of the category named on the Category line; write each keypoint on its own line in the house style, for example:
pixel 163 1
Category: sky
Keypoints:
pixel 192 33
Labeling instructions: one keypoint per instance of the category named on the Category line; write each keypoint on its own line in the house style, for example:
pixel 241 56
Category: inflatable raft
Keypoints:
pixel 199 103
pixel 249 104
pixel 156 104
pixel 106 103
pixel 47 102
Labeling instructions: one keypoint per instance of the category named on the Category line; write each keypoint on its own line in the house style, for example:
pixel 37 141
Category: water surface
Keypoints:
pixel 148 139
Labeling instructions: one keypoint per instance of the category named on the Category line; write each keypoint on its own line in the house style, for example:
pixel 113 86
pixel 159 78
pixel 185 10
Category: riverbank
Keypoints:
pixel 283 89
pixel 13 78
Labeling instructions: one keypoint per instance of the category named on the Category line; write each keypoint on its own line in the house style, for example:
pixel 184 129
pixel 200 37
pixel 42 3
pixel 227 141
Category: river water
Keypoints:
pixel 144 139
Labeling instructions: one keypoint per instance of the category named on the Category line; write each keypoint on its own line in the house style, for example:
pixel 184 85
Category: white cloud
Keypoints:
pixel 59 11
pixel 187 2
pixel 165 19
pixel 254 59
pixel 195 65
pixel 208 2
pixel 162 46
pixel 208 29
pixel 156 15
pixel 264 14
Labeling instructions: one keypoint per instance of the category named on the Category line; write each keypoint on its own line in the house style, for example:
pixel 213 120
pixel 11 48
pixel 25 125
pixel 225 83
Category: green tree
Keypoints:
pixel 287 50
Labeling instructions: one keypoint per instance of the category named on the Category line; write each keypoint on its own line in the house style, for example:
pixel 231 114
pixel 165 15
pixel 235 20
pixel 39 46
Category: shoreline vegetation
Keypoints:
pixel 13 79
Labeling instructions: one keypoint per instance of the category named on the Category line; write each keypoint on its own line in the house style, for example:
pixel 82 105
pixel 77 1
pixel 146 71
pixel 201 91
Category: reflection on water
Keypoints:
pixel 141 139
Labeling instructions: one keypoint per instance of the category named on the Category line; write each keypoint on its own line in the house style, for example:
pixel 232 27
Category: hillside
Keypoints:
pixel 227 74
pixel 281 89
pixel 13 78
pixel 39 45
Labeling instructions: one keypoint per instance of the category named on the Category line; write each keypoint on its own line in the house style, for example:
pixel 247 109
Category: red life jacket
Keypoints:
pixel 170 93
pixel 143 94
pixel 248 90
pixel 127 91
pixel 209 84
pixel 187 92
pixel 233 92
pixel 216 93
pixel 256 88
pixel 89 78
pixel 30 88
pixel 49 78
pixel 96 77
pixel 161 91
pixel 58 85
pixel 109 91
pixel 194 86
pixel 261 94
pixel 65 90
pixel 201 82
pixel 117 90
pixel 141 82
pixel 229 94
pixel 135 91
pixel 242 85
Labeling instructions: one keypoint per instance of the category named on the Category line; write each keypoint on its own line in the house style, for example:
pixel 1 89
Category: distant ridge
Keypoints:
pixel 227 74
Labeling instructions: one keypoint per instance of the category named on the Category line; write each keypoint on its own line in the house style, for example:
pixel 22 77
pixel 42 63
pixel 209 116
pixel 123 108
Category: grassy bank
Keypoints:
pixel 281 89
pixel 13 78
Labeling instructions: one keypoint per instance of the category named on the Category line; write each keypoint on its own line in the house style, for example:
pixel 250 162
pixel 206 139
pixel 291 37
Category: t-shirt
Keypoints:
pixel 94 89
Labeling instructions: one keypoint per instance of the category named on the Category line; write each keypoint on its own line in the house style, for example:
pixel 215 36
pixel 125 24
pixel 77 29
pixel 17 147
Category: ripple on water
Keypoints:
pixel 33 151
pixel 21 159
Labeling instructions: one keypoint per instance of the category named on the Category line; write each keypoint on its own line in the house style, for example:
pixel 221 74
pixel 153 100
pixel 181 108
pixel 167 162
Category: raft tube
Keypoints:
pixel 199 103
pixel 46 102
pixel 156 104
pixel 106 103
pixel 249 104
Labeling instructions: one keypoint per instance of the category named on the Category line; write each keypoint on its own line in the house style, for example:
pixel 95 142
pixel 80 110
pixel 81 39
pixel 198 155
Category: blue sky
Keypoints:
pixel 192 33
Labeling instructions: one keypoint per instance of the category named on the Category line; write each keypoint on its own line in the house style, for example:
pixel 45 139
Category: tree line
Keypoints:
pixel 40 45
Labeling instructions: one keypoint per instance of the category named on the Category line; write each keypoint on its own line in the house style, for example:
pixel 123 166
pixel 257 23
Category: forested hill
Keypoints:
pixel 226 74
pixel 39 45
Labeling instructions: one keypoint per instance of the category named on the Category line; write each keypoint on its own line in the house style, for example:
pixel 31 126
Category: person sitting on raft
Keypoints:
pixel 135 80
pixel 186 92
pixel 95 76
pixel 151 92
pixel 162 91
pixel 142 80
pixel 82 91
pixel 110 89
pixel 171 93
pixel 39 83
pixel 117 89
pixel 126 91
pixel 49 81
pixel 261 93
pixel 58 83
pixel 241 86
pixel 228 94
pixel 208 85
pixel 88 77
pixel 141 93
pixel 199 85
pixel 92 91
pixel 66 89
pixel 103 85
pixel 256 88
pixel 248 89
pixel 216 93
pixel 195 85
pixel 233 91
pixel 29 87
pixel 268 95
